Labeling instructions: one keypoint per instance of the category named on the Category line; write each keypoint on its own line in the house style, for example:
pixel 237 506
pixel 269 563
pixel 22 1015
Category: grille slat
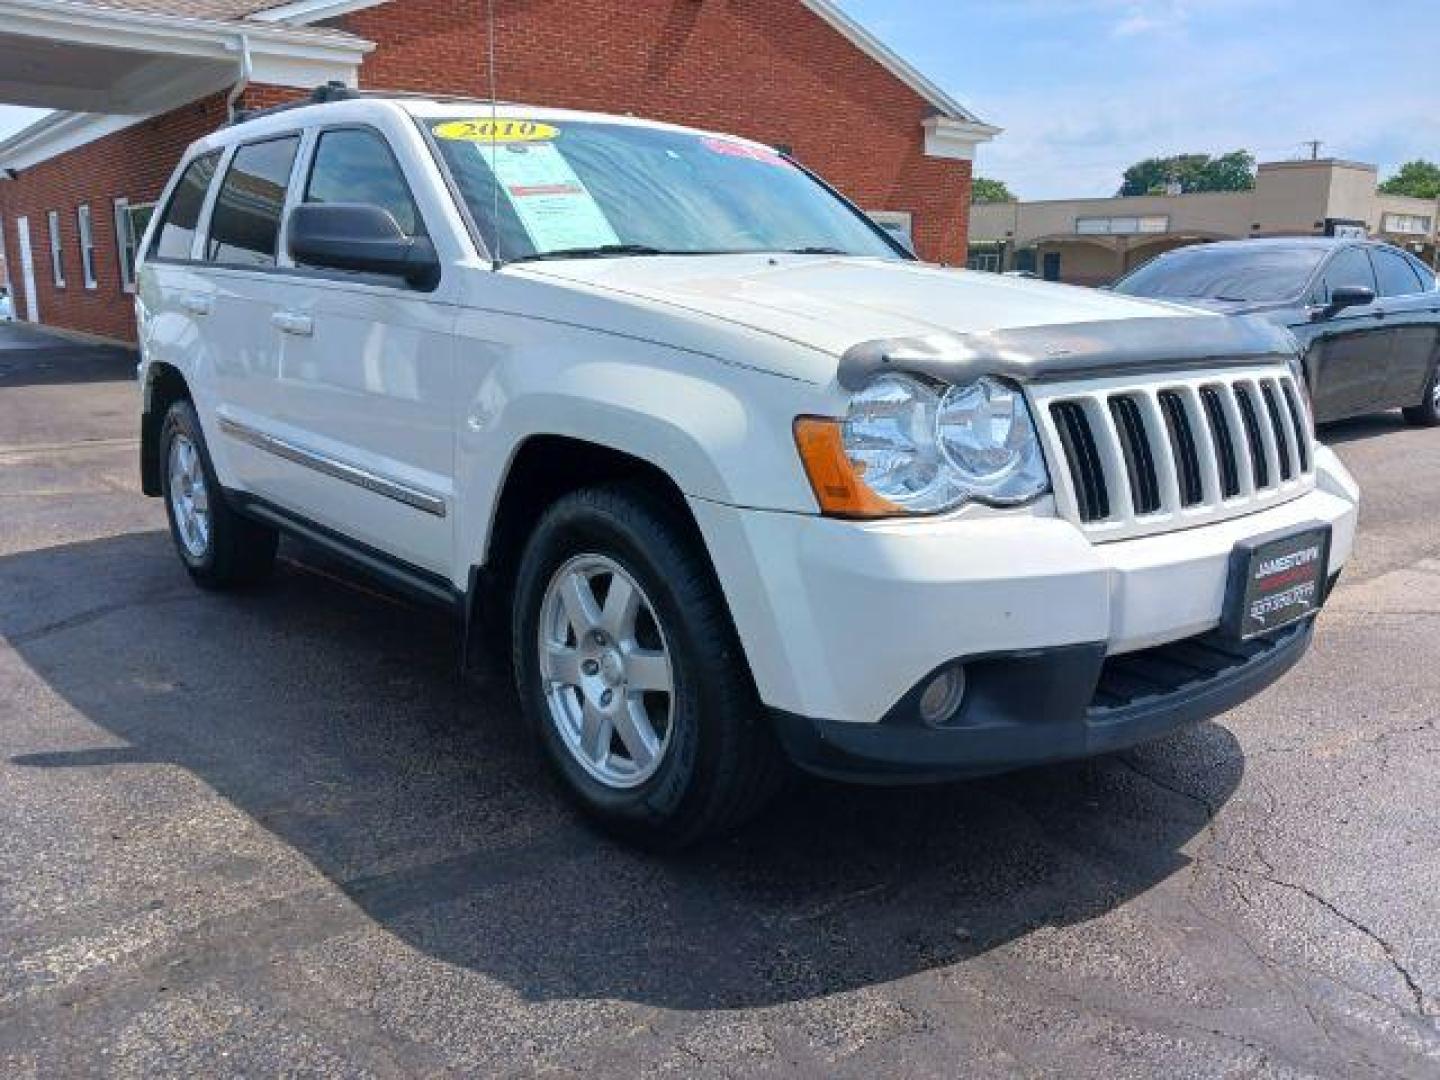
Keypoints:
pixel 1139 461
pixel 1258 461
pixel 1078 442
pixel 1224 443
pixel 1182 446
pixel 1138 457
pixel 1277 425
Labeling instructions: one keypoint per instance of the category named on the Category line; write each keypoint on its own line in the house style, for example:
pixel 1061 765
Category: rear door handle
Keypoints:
pixel 196 303
pixel 292 322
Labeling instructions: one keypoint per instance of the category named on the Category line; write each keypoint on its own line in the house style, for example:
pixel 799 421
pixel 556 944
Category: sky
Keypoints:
pixel 1084 88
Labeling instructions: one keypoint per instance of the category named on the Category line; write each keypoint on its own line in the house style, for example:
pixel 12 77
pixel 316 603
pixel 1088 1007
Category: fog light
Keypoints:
pixel 941 698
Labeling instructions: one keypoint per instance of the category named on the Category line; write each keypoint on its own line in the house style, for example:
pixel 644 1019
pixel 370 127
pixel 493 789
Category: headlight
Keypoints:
pixel 909 448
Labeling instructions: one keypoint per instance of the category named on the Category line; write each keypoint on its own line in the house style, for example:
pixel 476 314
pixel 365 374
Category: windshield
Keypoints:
pixel 1225 274
pixel 591 190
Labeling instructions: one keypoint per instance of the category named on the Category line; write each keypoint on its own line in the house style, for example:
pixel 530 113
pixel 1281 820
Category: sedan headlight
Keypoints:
pixel 907 447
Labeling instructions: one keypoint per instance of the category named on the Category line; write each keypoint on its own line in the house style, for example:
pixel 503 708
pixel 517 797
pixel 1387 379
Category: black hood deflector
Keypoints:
pixel 1074 350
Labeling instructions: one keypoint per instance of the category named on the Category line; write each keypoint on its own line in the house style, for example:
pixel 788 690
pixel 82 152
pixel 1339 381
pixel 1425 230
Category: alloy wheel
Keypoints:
pixel 189 496
pixel 608 679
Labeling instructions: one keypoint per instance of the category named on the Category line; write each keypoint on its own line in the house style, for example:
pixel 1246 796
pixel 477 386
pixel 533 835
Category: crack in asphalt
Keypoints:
pixel 1416 991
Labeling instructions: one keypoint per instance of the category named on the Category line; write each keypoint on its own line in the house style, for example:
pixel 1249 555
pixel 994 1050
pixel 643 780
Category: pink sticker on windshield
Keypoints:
pixel 743 150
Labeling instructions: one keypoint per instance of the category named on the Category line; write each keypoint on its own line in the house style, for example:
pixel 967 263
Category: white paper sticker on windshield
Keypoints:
pixel 552 202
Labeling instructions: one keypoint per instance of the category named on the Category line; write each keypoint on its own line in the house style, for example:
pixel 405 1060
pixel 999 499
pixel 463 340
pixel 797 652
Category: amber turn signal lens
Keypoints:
pixel 838 488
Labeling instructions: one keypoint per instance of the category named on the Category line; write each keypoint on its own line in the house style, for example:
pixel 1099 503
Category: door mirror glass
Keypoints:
pixel 1348 296
pixel 360 238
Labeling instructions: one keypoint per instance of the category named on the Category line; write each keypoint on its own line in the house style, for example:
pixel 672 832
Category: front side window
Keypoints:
pixel 245 226
pixel 356 166
pixel 586 189
pixel 1238 273
pixel 182 215
pixel 1394 273
pixel 57 249
pixel 1349 268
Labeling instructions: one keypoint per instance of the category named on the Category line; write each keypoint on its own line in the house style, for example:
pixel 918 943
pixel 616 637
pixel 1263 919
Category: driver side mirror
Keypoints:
pixel 361 238
pixel 1347 296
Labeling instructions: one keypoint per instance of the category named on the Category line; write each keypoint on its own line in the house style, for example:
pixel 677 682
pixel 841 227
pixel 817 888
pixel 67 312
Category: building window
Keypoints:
pixel 1122 226
pixel 1407 224
pixel 57 250
pixel 130 225
pixel 87 244
pixel 898 223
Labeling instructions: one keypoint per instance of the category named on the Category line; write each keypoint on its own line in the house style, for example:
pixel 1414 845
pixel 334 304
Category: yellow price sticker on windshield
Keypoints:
pixel 495 131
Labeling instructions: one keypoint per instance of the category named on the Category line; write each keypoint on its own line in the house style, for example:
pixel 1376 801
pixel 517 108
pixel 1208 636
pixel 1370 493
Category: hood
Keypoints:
pixel 833 304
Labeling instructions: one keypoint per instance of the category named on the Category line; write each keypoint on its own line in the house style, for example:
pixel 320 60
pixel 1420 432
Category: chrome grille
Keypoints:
pixel 1140 456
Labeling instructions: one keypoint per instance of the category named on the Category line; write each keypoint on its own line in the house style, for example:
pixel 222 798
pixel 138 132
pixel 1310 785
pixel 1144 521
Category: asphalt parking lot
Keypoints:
pixel 275 832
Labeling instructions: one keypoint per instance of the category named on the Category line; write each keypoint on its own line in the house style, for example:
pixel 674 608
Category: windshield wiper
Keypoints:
pixel 816 251
pixel 603 251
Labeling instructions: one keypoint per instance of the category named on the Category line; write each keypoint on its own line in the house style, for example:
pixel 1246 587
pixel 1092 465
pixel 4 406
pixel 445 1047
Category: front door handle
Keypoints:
pixel 196 303
pixel 292 322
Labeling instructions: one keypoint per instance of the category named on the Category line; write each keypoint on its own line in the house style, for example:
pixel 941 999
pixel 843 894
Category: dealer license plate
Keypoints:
pixel 1277 580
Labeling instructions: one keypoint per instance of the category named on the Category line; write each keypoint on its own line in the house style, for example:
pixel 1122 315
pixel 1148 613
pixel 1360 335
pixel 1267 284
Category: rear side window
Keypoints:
pixel 245 226
pixel 177 227
pixel 1426 275
pixel 1349 267
pixel 1393 271
pixel 353 165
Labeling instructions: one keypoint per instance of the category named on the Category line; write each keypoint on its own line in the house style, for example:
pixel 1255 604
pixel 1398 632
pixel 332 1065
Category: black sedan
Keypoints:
pixel 1367 315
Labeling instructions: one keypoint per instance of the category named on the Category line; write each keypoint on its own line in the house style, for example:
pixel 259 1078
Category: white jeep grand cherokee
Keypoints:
pixel 733 476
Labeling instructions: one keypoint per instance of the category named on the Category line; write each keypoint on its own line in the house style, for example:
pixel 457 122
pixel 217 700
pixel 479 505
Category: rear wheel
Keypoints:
pixel 219 548
pixel 629 669
pixel 1427 413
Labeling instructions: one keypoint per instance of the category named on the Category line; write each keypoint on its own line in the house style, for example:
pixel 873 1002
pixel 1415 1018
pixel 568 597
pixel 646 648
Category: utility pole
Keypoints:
pixel 1314 145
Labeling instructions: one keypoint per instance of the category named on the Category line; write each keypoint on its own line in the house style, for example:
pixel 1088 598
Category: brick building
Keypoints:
pixel 134 81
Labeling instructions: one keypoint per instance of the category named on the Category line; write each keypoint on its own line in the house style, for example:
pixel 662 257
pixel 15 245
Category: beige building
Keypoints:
pixel 1095 241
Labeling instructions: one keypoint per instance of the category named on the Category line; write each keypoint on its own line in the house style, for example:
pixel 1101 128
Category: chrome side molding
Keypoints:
pixel 424 501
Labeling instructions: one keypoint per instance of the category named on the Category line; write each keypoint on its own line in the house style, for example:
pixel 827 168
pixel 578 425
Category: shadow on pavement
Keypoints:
pixel 35 357
pixel 333 716
pixel 1340 432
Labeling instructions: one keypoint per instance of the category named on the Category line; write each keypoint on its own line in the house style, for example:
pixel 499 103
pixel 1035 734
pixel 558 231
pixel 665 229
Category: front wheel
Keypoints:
pixel 1427 413
pixel 628 667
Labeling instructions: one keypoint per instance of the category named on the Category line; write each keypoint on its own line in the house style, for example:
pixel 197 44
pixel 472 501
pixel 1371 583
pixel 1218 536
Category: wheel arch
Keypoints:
pixel 163 385
pixel 544 469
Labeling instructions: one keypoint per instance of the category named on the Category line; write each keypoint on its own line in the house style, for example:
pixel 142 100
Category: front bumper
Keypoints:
pixel 839 620
pixel 1050 705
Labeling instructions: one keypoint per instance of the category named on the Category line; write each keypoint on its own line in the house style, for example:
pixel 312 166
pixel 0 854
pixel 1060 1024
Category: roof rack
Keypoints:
pixel 334 91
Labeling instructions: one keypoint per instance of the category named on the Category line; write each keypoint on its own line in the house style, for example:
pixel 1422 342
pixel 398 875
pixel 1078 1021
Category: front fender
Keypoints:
pixel 722 434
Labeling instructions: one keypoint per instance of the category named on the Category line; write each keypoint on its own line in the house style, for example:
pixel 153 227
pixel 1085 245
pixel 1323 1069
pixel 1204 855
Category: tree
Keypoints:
pixel 985 190
pixel 1420 179
pixel 1234 171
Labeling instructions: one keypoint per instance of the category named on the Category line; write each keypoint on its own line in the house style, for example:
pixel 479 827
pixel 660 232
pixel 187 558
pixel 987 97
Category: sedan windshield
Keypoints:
pixel 1228 273
pixel 595 190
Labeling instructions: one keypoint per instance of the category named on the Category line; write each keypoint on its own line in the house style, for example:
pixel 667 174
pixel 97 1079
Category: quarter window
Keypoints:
pixel 1349 267
pixel 57 249
pixel 182 215
pixel 245 226
pixel 1394 273
pixel 356 166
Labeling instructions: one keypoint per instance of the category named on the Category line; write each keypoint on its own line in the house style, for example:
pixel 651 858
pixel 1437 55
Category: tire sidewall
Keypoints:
pixel 181 419
pixel 578 526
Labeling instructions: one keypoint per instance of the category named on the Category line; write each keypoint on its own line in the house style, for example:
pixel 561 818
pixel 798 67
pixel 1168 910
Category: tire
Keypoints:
pixel 219 548
pixel 1427 413
pixel 718 761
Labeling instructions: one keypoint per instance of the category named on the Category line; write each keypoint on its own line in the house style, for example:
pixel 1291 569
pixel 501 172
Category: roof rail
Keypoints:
pixel 337 91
